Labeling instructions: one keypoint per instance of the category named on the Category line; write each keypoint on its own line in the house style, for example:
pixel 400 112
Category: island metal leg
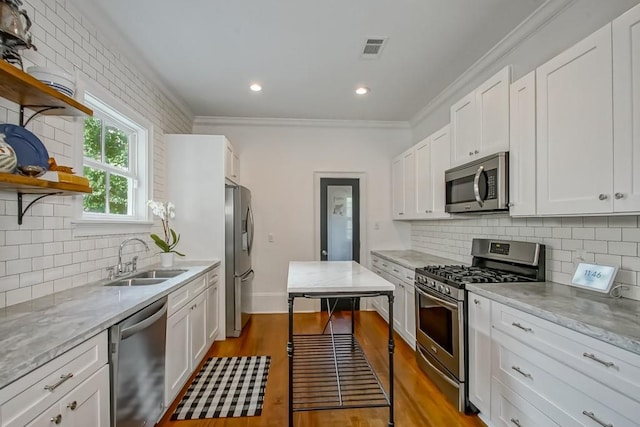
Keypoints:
pixel 391 349
pixel 290 354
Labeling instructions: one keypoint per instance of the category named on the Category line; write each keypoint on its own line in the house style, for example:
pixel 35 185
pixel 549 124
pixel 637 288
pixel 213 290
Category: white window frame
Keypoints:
pixel 93 224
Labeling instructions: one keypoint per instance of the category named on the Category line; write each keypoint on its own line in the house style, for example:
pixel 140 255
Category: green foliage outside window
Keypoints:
pixel 116 154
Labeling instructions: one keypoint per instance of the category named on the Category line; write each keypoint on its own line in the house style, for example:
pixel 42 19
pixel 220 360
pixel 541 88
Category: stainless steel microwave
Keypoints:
pixel 478 186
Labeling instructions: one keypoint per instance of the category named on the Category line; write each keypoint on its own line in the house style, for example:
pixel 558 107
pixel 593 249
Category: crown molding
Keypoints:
pixel 249 121
pixel 93 12
pixel 530 26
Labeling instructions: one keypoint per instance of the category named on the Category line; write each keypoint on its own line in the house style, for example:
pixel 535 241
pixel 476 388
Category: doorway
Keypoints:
pixel 339 228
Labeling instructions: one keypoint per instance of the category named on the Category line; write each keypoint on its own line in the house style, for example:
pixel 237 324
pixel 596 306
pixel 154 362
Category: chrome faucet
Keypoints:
pixel 120 268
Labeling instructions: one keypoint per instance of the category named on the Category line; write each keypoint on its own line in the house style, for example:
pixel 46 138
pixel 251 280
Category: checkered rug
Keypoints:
pixel 226 387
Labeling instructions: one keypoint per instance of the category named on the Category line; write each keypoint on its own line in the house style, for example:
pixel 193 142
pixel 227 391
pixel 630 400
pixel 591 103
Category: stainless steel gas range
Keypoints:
pixel 441 327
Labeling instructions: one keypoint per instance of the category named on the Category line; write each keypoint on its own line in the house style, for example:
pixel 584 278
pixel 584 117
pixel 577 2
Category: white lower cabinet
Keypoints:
pixel 543 374
pixel 187 335
pixel 87 405
pixel 198 329
pixel 212 307
pixel 479 320
pixel 70 390
pixel 404 309
pixel 178 355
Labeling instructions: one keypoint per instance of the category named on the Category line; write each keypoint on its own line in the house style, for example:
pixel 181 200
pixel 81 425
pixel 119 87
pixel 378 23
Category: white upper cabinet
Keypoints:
pixel 465 132
pixel 432 159
pixel 397 187
pixel 424 185
pixel 522 147
pixel 626 107
pixel 231 164
pixel 575 129
pixel 409 179
pixel 480 120
pixel 492 98
pixel 418 178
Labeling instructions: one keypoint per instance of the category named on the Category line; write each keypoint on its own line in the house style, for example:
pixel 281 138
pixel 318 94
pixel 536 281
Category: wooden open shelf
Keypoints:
pixel 28 185
pixel 24 89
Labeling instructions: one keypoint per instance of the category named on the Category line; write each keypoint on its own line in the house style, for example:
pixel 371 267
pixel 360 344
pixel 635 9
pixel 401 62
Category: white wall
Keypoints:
pixel 41 256
pixel 278 163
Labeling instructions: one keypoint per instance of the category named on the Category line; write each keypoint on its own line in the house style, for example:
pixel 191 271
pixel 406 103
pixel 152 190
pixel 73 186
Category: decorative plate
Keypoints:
pixel 28 147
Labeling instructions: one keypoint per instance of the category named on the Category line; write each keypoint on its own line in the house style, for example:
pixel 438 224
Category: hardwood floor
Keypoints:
pixel 417 401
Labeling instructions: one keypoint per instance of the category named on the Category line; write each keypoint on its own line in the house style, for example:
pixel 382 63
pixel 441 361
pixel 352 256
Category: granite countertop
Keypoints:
pixel 34 332
pixel 331 277
pixel 413 259
pixel 614 321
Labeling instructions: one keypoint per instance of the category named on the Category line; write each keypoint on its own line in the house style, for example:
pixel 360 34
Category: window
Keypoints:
pixel 115 159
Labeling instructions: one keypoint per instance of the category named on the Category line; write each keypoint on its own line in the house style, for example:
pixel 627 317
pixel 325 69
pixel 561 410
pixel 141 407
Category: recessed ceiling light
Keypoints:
pixel 362 90
pixel 255 87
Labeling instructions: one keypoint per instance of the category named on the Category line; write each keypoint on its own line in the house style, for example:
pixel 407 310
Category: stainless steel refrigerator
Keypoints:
pixel 238 246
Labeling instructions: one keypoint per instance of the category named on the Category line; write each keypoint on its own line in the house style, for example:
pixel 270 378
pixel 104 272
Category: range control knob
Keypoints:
pixel 440 288
pixel 448 290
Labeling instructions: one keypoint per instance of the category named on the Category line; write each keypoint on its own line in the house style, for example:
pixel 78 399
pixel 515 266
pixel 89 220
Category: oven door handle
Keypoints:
pixel 476 185
pixel 440 300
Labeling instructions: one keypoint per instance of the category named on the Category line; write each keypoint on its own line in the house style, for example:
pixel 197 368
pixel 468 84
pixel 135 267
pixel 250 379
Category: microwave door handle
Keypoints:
pixel 476 185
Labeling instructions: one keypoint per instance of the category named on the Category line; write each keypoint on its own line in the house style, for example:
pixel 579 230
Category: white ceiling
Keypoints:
pixel 306 53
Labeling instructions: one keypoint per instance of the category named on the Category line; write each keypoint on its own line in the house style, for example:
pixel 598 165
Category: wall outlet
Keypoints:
pixel 580 255
pixel 270 237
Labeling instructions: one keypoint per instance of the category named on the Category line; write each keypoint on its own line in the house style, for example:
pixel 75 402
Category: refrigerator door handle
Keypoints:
pixel 247 276
pixel 250 229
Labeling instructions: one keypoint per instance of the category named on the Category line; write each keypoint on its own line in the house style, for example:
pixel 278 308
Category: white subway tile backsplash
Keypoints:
pixel 18 266
pixel 614 234
pixel 9 252
pixel 31 251
pixel 19 295
pixel 595 239
pixel 30 279
pixel 8 283
pixel 17 237
pixel 615 260
pixel 42 289
pixel 623 248
pixel 583 233
pixel 631 234
pixel 623 221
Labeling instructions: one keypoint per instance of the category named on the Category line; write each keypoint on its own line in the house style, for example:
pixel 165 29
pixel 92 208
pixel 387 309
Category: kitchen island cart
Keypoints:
pixel 331 371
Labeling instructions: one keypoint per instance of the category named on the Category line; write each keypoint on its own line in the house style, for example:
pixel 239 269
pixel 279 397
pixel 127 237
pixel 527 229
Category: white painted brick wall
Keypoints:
pixel 41 256
pixel 606 240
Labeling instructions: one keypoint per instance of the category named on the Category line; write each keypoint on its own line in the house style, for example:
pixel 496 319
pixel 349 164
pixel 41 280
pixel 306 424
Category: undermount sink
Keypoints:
pixel 136 281
pixel 153 274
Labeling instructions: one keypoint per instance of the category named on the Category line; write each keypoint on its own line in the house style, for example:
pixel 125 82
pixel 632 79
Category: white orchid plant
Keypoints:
pixel 165 211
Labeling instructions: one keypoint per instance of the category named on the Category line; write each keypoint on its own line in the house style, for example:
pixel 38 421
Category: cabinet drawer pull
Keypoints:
pixel 516 422
pixel 603 196
pixel 519 326
pixel 476 301
pixel 595 358
pixel 521 372
pixel 396 270
pixel 409 277
pixel 596 419
pixel 73 405
pixel 57 419
pixel 384 265
pixel 63 378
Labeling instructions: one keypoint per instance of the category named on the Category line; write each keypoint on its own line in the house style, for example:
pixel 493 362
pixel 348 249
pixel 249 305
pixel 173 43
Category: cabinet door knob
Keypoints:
pixel 57 419
pixel 476 152
pixel 603 197
pixel 73 405
pixel 471 153
pixel 619 196
pixel 516 422
pixel 475 301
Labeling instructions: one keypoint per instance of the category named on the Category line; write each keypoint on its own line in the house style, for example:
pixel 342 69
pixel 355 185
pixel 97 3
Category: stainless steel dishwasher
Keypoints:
pixel 136 365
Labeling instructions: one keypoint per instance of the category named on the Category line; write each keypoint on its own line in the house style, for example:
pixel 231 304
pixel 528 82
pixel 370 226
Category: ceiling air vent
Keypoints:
pixel 373 47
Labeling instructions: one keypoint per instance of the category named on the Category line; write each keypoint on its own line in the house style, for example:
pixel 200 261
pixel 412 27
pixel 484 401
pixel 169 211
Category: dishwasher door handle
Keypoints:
pixel 127 332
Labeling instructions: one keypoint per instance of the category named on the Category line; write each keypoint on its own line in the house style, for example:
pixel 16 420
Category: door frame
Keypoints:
pixel 362 179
